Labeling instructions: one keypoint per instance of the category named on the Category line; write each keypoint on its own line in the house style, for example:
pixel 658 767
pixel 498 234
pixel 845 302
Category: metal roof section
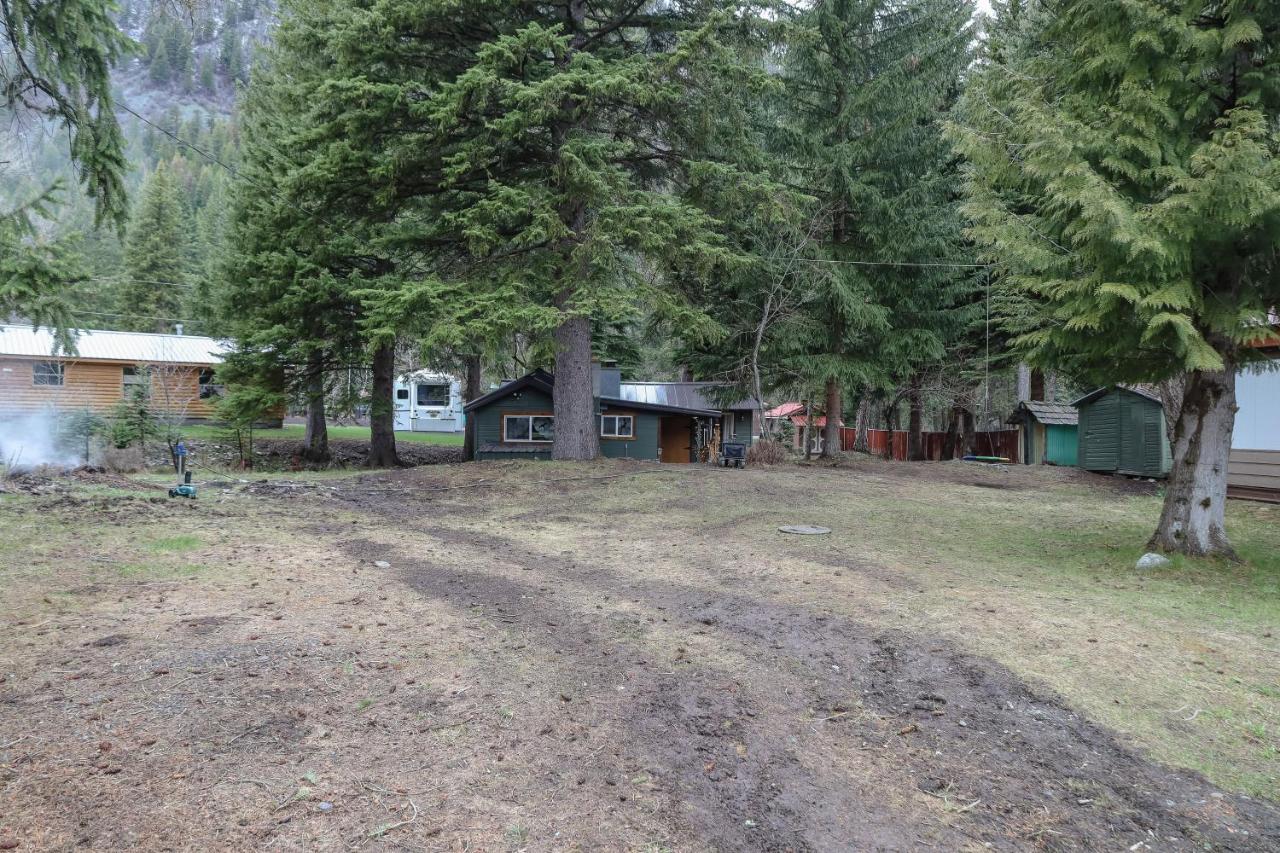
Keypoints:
pixel 135 347
pixel 677 395
pixel 1051 413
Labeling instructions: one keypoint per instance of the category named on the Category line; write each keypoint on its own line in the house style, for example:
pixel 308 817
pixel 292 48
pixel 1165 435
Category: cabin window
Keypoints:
pixel 208 387
pixel 48 373
pixel 433 395
pixel 617 426
pixel 528 428
pixel 136 381
pixel 402 393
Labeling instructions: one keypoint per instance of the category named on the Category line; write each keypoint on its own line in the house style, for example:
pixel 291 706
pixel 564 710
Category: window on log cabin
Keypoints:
pixel 208 387
pixel 48 373
pixel 136 382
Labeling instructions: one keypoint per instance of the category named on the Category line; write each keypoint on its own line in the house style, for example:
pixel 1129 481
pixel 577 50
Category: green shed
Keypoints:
pixel 1122 431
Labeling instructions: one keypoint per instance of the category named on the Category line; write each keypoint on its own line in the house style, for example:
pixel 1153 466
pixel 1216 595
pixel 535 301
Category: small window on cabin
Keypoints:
pixel 48 373
pixel 402 393
pixel 617 426
pixel 208 386
pixel 528 428
pixel 136 381
pixel 433 395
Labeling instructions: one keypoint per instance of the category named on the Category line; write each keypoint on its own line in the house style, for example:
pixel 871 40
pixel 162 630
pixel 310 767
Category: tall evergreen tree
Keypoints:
pixel 1125 175
pixel 868 85
pixel 151 296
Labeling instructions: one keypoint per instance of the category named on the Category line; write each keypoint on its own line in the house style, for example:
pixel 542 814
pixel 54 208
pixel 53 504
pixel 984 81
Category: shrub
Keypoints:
pixel 766 452
pixel 122 460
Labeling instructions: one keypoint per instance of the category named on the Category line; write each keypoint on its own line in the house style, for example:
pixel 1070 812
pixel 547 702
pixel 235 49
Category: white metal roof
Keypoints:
pixel 139 347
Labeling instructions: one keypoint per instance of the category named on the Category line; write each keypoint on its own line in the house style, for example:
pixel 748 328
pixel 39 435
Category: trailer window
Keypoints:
pixel 402 393
pixel 433 395
pixel 528 428
pixel 48 373
pixel 617 426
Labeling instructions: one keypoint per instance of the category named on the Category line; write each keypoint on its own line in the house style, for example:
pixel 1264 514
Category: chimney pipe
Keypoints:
pixel 177 328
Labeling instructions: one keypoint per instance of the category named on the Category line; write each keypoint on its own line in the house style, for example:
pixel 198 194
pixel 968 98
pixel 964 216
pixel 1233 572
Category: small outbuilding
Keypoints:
pixel 1047 432
pixel 1122 430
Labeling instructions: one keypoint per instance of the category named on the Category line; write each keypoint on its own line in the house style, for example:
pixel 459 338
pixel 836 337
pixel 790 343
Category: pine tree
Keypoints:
pixel 160 71
pixel 208 75
pixel 1124 174
pixel 67 51
pixel 868 85
pixel 535 160
pixel 155 256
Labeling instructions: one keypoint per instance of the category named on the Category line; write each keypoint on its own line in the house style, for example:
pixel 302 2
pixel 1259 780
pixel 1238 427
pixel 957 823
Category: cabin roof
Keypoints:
pixel 92 344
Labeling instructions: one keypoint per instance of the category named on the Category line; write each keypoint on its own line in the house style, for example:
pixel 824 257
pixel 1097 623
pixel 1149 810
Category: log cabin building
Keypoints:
pixel 176 371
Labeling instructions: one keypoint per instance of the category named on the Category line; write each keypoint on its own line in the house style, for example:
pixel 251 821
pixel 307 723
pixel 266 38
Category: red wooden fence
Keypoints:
pixel 1002 442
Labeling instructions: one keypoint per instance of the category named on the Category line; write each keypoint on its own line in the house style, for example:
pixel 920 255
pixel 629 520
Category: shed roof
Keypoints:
pixel 1141 390
pixel 1049 413
pixel 138 347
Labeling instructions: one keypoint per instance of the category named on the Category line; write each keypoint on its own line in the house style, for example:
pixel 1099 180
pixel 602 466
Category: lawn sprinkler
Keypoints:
pixel 185 489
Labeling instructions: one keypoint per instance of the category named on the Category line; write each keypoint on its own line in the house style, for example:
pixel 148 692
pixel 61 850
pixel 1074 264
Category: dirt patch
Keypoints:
pixel 1017 764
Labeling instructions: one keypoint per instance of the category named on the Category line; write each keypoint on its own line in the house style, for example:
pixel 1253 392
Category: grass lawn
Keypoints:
pixel 508 656
pixel 355 433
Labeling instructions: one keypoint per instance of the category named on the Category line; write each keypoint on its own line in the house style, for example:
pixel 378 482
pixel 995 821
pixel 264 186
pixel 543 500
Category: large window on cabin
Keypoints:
pixel 617 426
pixel 48 374
pixel 136 382
pixel 528 428
pixel 431 394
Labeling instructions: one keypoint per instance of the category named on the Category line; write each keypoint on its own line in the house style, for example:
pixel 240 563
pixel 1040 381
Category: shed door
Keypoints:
pixel 1061 445
pixel 1100 434
pixel 1133 436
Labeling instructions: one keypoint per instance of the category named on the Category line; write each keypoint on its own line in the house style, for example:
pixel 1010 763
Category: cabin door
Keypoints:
pixel 675 439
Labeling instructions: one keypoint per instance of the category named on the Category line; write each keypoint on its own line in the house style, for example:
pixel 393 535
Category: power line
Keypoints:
pixel 895 263
pixel 131 316
pixel 121 280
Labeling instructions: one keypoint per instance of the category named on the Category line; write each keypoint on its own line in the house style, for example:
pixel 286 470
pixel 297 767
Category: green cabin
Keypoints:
pixel 654 421
pixel 1047 432
pixel 1122 431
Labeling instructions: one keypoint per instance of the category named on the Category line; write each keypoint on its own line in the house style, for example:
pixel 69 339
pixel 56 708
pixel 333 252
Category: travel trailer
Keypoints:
pixel 428 402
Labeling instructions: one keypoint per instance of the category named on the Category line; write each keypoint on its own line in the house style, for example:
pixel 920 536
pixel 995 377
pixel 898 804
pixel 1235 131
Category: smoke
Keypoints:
pixel 31 441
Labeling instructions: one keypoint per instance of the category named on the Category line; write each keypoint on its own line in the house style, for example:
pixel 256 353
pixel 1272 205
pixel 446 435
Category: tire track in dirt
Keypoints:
pixel 1010 765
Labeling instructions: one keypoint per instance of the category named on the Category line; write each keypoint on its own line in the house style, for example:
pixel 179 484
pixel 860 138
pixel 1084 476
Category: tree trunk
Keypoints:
pixel 862 424
pixel 382 415
pixel 953 430
pixel 1192 521
pixel 470 390
pixel 315 441
pixel 915 423
pixel 831 432
pixel 577 437
pixel 890 426
pixel 968 434
pixel 808 429
pixel 1037 384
